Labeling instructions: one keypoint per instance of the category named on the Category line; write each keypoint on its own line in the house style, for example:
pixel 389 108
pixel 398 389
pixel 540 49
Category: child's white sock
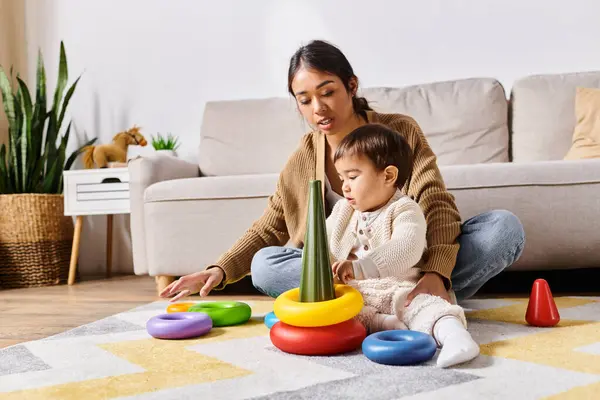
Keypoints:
pixel 457 344
pixel 386 322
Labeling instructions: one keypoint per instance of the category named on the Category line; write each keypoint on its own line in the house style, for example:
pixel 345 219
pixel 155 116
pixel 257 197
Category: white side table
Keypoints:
pixel 95 192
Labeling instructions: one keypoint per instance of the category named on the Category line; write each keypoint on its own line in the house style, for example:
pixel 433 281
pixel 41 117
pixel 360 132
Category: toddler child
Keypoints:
pixel 377 236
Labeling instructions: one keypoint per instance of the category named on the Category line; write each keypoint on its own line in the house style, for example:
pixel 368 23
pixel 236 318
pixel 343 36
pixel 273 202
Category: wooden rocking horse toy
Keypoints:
pixel 101 155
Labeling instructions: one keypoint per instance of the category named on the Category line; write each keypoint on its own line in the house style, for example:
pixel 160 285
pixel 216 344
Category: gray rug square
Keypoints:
pixel 17 359
pixel 373 380
pixel 100 327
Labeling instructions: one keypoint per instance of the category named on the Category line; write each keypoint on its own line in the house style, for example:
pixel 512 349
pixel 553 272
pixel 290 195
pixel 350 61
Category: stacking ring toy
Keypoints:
pixel 399 347
pixel 179 325
pixel 271 319
pixel 224 313
pixel 327 340
pixel 179 307
pixel 345 306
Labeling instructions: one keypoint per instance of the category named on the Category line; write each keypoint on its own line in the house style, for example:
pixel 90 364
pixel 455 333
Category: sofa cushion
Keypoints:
pixel 556 202
pixel 465 121
pixel 212 188
pixel 586 137
pixel 543 114
pixel 249 136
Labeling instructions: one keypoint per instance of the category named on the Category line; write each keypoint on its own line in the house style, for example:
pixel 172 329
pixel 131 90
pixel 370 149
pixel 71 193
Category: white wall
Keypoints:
pixel 156 62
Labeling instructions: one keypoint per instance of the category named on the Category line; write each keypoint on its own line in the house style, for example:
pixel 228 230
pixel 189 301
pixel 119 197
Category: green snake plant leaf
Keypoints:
pixel 316 282
pixel 48 178
pixel 14 142
pixel 27 157
pixel 53 126
pixel 61 83
pixel 50 143
pixel 10 109
pixel 58 178
pixel 12 157
pixel 62 154
pixel 77 152
pixel 38 173
pixel 7 97
pixel 4 182
pixel 66 102
pixel 53 180
pixel 39 111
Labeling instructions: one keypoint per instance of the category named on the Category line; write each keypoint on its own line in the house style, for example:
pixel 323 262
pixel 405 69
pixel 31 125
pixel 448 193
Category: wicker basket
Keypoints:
pixel 35 240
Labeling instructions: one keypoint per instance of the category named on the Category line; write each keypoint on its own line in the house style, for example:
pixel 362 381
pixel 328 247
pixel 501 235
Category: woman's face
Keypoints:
pixel 323 100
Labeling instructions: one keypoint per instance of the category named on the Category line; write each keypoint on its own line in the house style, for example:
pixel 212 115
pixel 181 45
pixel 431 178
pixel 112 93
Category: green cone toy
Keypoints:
pixel 316 282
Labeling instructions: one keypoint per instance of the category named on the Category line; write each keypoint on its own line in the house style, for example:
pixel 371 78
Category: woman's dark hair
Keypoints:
pixel 325 57
pixel 381 145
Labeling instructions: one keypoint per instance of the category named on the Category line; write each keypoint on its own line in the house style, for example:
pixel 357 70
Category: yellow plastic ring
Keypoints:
pixel 179 307
pixel 346 305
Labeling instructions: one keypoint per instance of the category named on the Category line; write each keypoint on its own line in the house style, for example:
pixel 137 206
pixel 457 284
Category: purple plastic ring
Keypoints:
pixel 181 325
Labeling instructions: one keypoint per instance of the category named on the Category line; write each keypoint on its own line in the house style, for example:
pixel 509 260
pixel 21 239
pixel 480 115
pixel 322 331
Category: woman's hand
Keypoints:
pixel 343 270
pixel 203 282
pixel 430 283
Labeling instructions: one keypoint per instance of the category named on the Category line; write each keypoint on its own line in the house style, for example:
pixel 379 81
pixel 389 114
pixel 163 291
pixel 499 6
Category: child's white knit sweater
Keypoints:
pixel 386 242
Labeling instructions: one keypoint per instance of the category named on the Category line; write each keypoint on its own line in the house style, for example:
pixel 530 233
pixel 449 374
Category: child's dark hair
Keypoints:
pixel 381 145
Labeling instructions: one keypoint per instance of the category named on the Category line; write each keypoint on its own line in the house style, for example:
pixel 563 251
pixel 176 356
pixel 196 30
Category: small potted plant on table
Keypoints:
pixel 166 145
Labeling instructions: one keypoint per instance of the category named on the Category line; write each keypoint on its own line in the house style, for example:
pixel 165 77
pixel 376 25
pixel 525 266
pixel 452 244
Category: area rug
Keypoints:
pixel 116 358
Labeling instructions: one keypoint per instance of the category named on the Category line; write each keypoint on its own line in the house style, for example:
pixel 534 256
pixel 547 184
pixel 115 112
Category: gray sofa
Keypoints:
pixel 496 150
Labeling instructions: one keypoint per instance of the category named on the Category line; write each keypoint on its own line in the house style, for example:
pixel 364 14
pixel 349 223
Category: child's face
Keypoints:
pixel 365 188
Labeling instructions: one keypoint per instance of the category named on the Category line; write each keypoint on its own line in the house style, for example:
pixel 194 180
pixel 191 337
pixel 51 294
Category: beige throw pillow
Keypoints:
pixel 586 136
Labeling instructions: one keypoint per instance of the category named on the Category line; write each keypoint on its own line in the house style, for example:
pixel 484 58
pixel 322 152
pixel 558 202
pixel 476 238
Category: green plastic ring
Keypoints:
pixel 224 313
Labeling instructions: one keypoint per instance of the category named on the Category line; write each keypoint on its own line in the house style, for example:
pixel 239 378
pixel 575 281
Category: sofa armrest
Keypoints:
pixel 143 172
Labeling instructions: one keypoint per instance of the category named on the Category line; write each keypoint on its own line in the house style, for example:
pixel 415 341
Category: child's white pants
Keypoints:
pixel 387 296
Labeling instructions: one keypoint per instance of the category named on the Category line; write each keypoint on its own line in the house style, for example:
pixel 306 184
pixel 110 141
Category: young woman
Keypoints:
pixel 461 256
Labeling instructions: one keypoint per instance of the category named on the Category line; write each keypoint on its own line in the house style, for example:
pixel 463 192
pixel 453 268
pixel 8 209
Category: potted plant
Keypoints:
pixel 166 145
pixel 35 236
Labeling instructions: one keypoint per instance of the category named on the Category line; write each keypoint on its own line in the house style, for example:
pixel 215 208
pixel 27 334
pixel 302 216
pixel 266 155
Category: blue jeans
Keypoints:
pixel 489 243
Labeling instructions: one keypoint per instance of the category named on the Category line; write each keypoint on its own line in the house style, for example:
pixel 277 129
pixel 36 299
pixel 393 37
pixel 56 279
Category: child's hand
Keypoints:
pixel 343 270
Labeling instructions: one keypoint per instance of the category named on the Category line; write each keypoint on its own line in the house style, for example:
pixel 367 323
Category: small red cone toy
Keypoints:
pixel 541 310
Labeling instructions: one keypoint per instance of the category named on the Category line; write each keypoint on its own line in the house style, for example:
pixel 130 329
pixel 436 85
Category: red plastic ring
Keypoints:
pixel 324 340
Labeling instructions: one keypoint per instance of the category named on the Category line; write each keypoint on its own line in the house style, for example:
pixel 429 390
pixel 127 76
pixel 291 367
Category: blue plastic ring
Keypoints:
pixel 399 347
pixel 271 319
